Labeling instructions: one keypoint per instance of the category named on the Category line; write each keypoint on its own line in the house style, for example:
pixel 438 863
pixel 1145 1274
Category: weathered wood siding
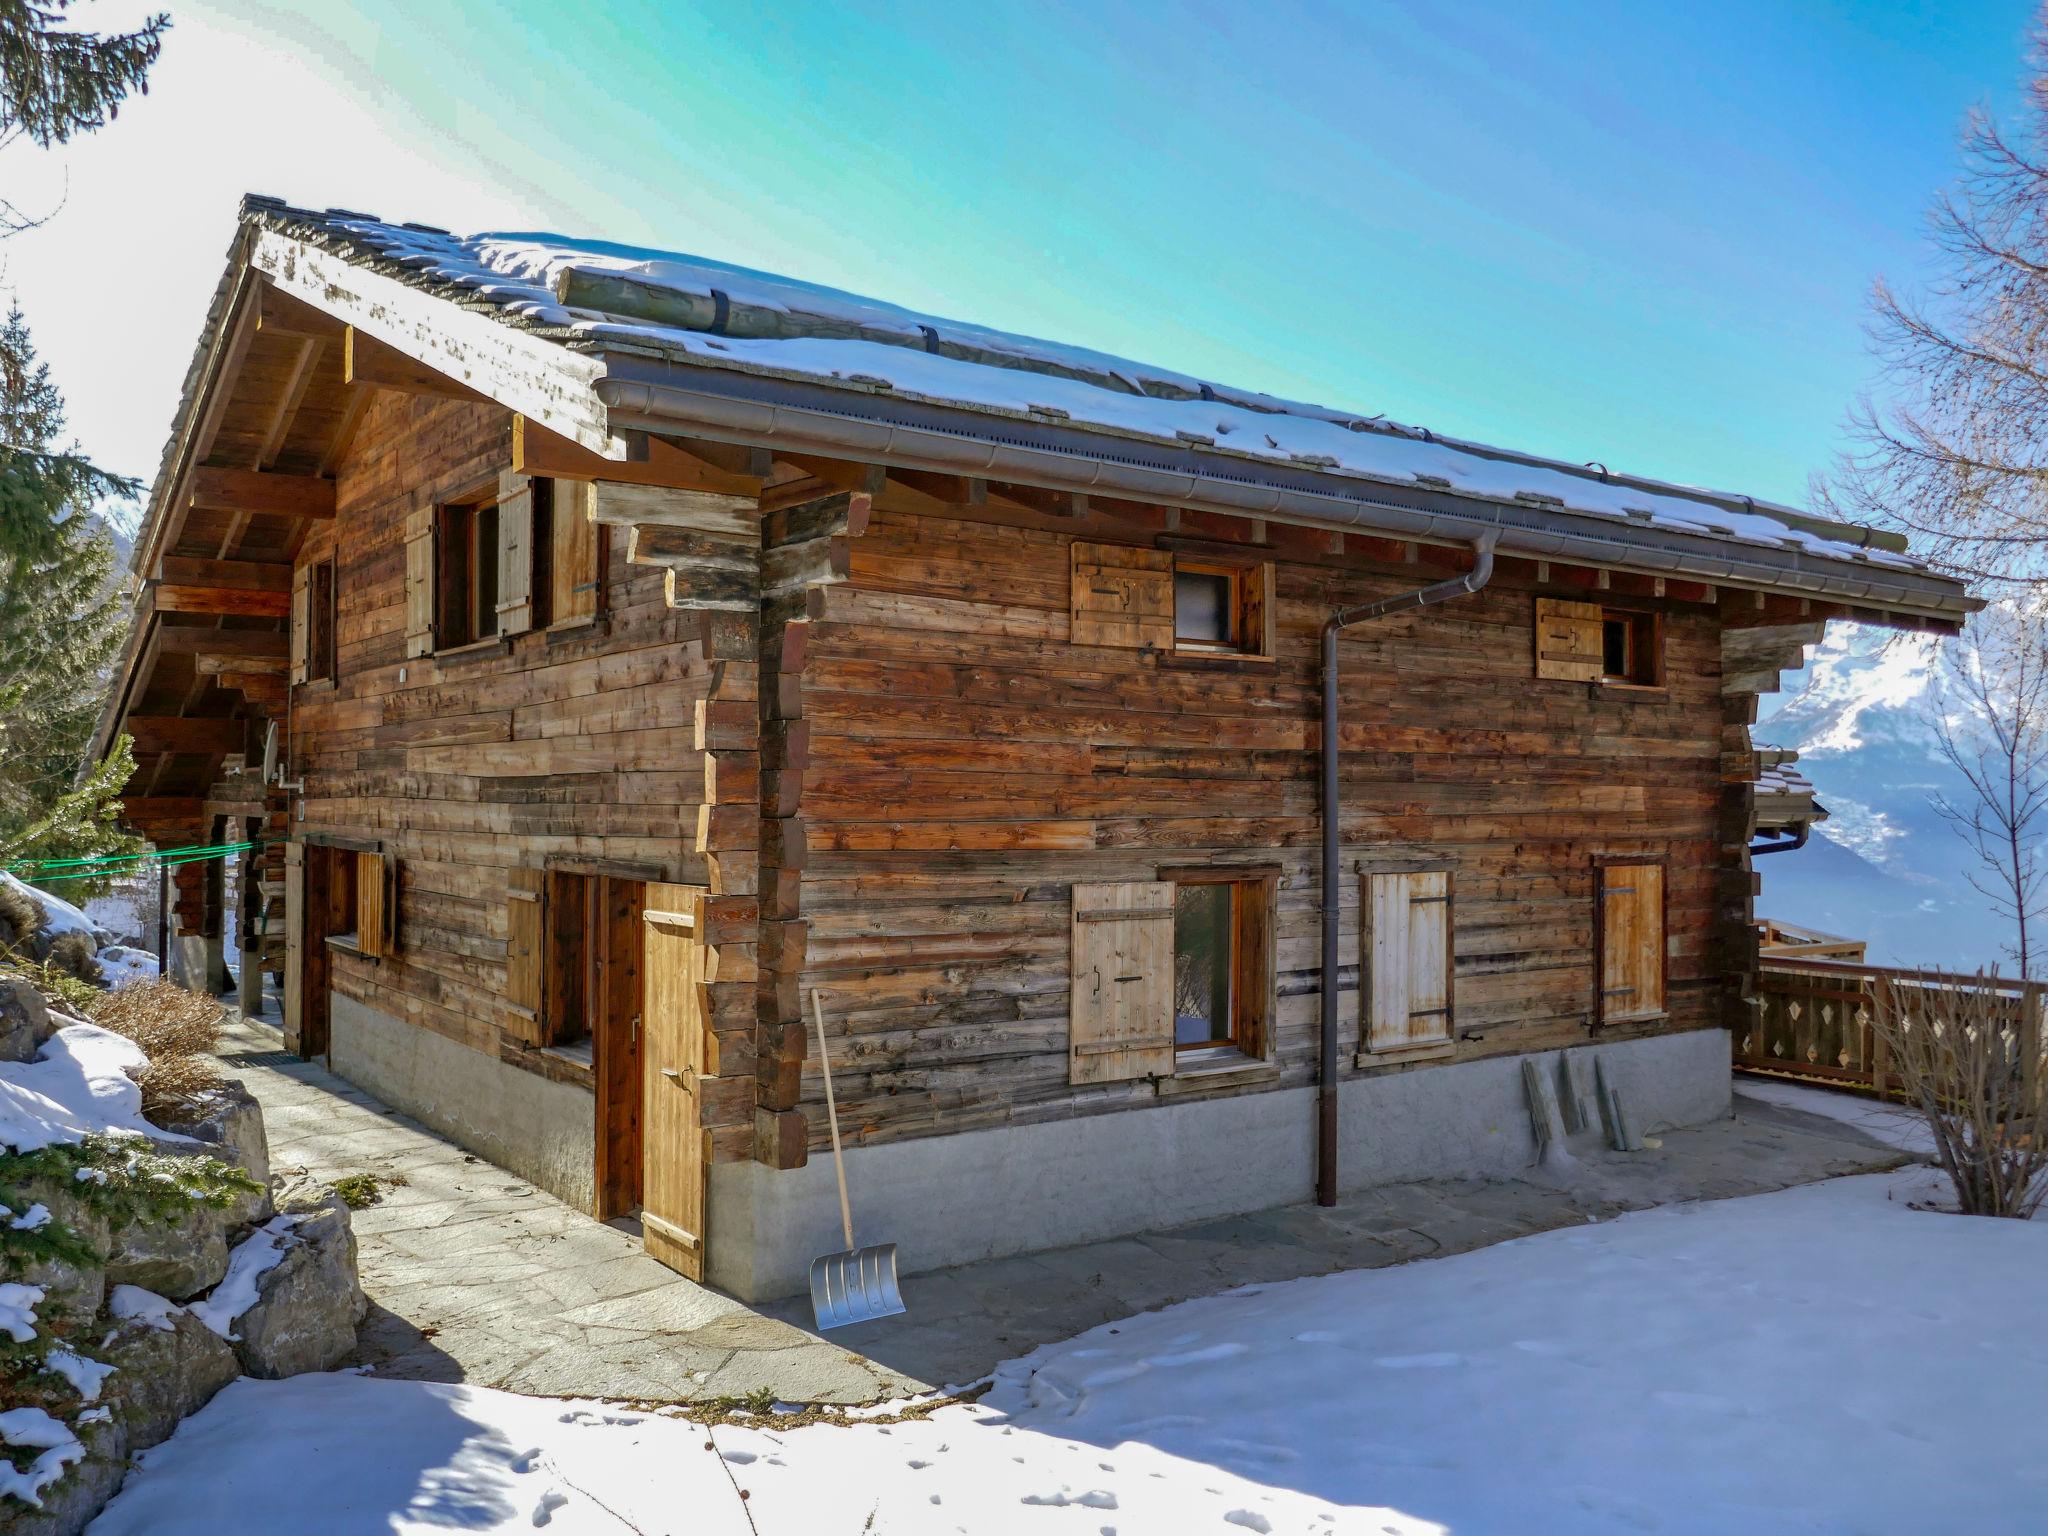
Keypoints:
pixel 463 766
pixel 968 764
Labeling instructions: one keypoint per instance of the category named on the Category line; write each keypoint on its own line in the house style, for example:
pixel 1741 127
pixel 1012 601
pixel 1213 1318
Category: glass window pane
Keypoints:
pixel 1201 964
pixel 1201 607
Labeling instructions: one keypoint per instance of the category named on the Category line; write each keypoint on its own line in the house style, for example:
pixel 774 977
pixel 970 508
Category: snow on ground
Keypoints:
pixel 79 1087
pixel 122 965
pixel 1823 1359
pixel 59 916
pixel 1891 1123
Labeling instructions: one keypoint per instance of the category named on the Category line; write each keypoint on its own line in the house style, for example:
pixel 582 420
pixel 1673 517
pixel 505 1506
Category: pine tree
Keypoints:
pixel 61 619
pixel 55 82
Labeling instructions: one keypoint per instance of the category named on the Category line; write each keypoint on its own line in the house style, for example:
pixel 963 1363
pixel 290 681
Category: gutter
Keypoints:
pixel 804 416
pixel 1796 838
pixel 1342 619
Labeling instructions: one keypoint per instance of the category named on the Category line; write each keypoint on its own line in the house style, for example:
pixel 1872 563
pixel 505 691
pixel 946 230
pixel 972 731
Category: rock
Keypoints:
pixel 70 1503
pixel 24 1019
pixel 75 1290
pixel 232 1128
pixel 307 1307
pixel 177 1258
pixel 163 1374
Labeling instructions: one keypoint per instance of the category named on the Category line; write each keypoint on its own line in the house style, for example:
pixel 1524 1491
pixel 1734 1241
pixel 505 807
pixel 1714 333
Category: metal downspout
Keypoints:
pixel 1344 618
pixel 1796 838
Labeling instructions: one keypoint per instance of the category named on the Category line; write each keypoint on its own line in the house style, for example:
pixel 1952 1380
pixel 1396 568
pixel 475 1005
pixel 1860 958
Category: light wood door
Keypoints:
pixel 672 1058
pixel 1631 920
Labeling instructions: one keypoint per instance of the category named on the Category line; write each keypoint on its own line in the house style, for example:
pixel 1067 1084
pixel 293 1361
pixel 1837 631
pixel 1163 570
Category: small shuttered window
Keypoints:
pixel 1121 1012
pixel 1629 933
pixel 302 616
pixel 525 953
pixel 1408 961
pixel 376 904
pixel 517 504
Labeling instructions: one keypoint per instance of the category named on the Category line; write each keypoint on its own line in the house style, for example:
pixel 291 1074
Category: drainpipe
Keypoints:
pixel 1342 619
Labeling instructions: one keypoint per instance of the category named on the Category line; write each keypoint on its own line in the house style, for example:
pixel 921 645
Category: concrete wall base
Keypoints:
pixel 983 1194
pixel 541 1130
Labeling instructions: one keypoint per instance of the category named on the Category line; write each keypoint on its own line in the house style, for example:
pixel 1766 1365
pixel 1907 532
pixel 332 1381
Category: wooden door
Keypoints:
pixel 1630 934
pixel 618 923
pixel 671 1059
pixel 295 949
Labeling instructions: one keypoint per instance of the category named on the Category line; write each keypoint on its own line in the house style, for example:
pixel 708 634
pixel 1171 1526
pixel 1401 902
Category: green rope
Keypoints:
pixel 47 871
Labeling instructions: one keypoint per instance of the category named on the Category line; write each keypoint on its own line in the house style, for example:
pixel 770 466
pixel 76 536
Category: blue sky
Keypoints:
pixel 1640 234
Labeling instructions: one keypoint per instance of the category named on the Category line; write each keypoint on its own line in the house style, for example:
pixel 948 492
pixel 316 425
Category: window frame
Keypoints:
pixel 1645 639
pixel 1248 603
pixel 323 646
pixel 477 600
pixel 1603 866
pixel 1254 902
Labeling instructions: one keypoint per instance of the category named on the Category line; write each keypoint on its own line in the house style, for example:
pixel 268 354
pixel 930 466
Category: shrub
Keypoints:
pixel 21 917
pixel 72 953
pixel 177 1030
pixel 1966 1053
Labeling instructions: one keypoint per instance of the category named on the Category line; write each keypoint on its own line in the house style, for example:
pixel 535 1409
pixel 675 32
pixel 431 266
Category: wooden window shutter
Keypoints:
pixel 1409 960
pixel 1258 605
pixel 574 573
pixel 302 621
pixel 525 952
pixel 1121 1011
pixel 376 904
pixel 1630 932
pixel 515 554
pixel 419 581
pixel 294 943
pixel 1122 596
pixel 1568 641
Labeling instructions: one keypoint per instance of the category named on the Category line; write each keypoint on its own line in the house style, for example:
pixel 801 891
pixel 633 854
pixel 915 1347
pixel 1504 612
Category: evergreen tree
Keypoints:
pixel 55 82
pixel 61 619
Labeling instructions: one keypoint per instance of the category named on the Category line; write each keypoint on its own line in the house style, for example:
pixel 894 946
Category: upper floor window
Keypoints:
pixel 465 574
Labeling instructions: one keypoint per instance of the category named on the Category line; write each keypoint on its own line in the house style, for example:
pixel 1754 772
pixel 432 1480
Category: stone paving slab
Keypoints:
pixel 475 1275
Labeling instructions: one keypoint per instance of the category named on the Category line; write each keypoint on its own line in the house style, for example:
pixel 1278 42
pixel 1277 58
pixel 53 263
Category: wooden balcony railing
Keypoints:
pixel 1813 1017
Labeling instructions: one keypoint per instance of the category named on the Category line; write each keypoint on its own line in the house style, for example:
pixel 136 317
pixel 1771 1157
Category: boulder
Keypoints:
pixel 231 1125
pixel 74 1290
pixel 307 1307
pixel 178 1258
pixel 24 1019
pixel 70 1503
pixel 162 1374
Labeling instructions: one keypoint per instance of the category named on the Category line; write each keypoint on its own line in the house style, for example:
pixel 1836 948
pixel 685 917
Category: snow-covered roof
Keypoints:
pixel 599 297
pixel 1784 795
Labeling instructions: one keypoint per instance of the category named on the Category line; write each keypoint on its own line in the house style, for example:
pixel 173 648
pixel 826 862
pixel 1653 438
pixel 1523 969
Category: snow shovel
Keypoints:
pixel 859 1284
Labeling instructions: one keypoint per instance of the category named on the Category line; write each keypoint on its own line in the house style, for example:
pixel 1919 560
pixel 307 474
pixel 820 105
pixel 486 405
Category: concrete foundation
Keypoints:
pixel 541 1130
pixel 949 1200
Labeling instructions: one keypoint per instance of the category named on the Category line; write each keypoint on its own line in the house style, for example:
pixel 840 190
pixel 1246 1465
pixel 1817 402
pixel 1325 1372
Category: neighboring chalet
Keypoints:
pixel 620 648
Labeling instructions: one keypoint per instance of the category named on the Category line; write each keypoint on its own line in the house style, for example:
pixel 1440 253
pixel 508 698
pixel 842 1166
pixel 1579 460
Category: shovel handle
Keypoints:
pixel 832 1116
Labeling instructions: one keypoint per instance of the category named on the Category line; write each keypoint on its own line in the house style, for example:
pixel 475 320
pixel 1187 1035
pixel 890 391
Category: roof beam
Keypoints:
pixel 174 597
pixel 215 489
pixel 663 462
pixel 278 313
pixel 248 575
pixel 263 688
pixel 252 644
pixel 366 360
pixel 144 809
pixel 178 733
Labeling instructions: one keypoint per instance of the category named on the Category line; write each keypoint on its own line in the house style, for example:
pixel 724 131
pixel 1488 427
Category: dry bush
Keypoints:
pixel 21 918
pixel 177 1030
pixel 73 954
pixel 1969 1058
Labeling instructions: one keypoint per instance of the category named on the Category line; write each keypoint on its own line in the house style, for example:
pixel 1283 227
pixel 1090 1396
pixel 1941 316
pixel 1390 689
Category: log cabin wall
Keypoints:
pixel 967 765
pixel 465 765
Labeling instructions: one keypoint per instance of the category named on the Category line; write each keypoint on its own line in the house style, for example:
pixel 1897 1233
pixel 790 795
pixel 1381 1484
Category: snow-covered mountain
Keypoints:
pixel 1884 867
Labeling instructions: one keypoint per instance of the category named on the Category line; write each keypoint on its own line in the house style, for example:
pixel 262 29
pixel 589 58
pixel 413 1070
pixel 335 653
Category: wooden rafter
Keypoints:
pixel 662 462
pixel 246 602
pixel 219 489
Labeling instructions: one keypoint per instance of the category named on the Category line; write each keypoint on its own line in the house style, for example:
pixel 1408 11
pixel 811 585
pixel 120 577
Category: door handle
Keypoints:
pixel 683 1079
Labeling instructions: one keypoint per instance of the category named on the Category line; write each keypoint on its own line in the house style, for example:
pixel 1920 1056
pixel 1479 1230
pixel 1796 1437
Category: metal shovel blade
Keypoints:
pixel 855 1287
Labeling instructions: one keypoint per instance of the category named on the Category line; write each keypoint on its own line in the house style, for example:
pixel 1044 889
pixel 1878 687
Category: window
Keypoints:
pixel 1408 963
pixel 1589 643
pixel 1156 600
pixel 554 948
pixel 1171 973
pixel 465 574
pixel 321 619
pixel 1628 936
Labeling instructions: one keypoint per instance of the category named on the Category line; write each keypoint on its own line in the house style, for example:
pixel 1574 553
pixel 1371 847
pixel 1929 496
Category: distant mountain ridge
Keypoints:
pixel 1885 868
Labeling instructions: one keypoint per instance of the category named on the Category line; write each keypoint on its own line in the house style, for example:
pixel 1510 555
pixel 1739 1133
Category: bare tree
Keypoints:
pixel 1958 453
pixel 1989 709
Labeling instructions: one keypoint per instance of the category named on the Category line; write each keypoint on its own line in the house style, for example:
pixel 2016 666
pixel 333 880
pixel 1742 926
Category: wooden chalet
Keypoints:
pixel 612 649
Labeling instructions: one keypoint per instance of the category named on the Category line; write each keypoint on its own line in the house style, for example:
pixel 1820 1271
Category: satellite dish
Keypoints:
pixel 270 753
